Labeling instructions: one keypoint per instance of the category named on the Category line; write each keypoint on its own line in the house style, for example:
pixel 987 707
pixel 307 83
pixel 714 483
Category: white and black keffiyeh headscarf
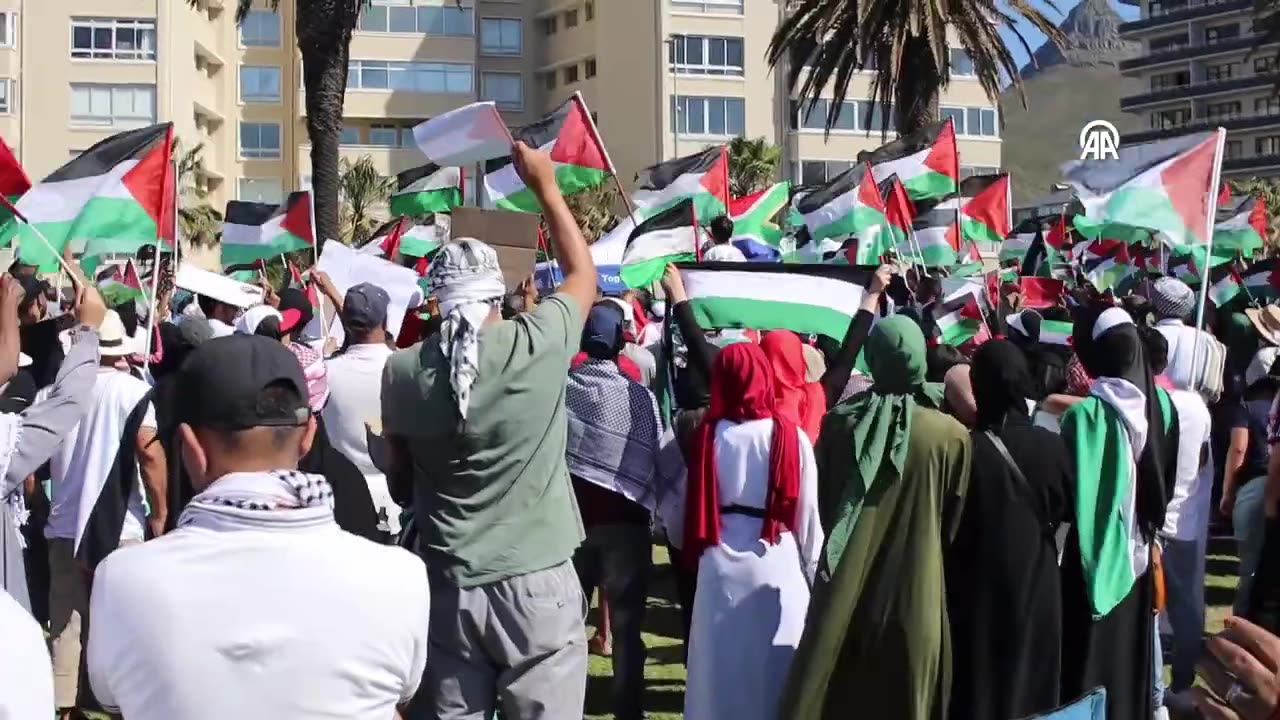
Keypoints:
pixel 266 492
pixel 467 283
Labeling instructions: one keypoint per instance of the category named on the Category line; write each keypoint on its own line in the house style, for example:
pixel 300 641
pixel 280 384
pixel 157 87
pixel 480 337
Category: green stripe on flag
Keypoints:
pixel 570 179
pixel 647 272
pixel 737 312
pixel 285 242
pixel 929 184
pixel 422 203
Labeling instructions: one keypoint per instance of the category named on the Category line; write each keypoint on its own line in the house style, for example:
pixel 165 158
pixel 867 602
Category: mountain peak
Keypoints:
pixel 1093 38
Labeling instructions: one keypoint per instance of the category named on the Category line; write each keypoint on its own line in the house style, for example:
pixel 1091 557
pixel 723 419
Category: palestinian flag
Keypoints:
pixel 570 137
pixel 1262 280
pixel 111 198
pixel 1183 267
pixel 405 237
pixel 754 231
pixel 1241 229
pixel 14 182
pixel 945 228
pixel 1055 332
pixel 670 236
pixel 849 206
pixel 296 280
pixel 985 211
pixel 807 299
pixel 958 319
pixel 1224 285
pixel 121 286
pixel 704 178
pixel 1163 187
pixel 1040 293
pixel 254 231
pixel 925 161
pixel 427 189
pixel 1107 270
pixel 1019 241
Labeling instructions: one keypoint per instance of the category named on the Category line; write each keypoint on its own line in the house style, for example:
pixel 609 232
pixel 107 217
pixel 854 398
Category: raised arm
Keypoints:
pixel 538 172
pixel 837 374
pixel 700 351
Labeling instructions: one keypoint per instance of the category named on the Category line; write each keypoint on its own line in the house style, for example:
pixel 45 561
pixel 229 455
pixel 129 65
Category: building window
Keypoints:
pixel 589 10
pixel 259 140
pixel 261 28
pixel 384 135
pixel 549 80
pixel 571 18
pixel 549 25
pixel 350 135
pixel 1269 145
pixel 424 77
pixel 115 106
pixel 1222 110
pixel 1266 64
pixel 590 67
pixel 6 92
pixel 505 89
pixel 1223 71
pixel 8 29
pixel 259 83
pixel 1169 80
pixel 113 39
pixel 968 171
pixel 262 190
pixel 725 7
pixel 716 116
pixel 700 55
pixel 817 172
pixel 806 117
pixel 1167 43
pixel 1269 105
pixel 445 19
pixel 501 36
pixel 1233 149
pixel 961 63
pixel 1219 33
pixel 571 75
pixel 1169 119
pixel 972 121
pixel 406 137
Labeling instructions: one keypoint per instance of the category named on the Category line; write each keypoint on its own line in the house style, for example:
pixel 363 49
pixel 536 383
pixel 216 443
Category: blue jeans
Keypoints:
pixel 1184 583
pixel 1157 667
pixel 1250 529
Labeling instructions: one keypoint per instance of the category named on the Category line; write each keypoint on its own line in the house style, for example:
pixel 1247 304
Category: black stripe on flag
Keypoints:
pixel 680 215
pixel 108 153
pixel 106 519
pixel 922 139
pixel 241 212
pixel 407 178
pixel 536 134
pixel 840 185
pixel 661 175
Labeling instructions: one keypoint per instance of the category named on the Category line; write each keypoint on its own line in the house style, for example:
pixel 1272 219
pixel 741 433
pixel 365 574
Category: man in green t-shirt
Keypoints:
pixel 475 419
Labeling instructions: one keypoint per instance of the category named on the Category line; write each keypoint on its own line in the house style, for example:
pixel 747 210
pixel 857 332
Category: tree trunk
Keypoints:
pixel 324 75
pixel 915 102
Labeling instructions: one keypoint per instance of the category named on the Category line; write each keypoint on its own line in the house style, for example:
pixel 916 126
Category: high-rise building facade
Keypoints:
pixel 663 78
pixel 1199 71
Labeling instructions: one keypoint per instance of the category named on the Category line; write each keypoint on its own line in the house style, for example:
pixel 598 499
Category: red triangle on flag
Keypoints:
pixel 899 210
pixel 578 142
pixel 297 217
pixel 869 192
pixel 148 181
pixel 1258 217
pixel 716 179
pixel 391 243
pixel 1057 236
pixel 1040 293
pixel 971 310
pixel 991 207
pixel 943 157
pixel 1224 196
pixel 13 179
pixel 1187 180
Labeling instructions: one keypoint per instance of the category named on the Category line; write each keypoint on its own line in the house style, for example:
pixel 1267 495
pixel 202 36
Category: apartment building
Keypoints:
pixel 1199 71
pixel 663 77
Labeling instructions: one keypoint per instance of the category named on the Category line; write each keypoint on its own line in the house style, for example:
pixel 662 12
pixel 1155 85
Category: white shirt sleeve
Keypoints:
pixel 420 610
pixel 809 535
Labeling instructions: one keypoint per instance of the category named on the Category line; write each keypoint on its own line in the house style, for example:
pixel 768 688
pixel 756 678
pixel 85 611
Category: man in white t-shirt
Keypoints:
pixel 1184 536
pixel 98 476
pixel 26 678
pixel 258 606
pixel 354 410
pixel 721 248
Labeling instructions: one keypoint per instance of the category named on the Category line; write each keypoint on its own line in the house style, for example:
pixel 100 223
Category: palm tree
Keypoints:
pixel 753 165
pixel 594 211
pixel 363 188
pixel 904 42
pixel 198 220
pixel 323 28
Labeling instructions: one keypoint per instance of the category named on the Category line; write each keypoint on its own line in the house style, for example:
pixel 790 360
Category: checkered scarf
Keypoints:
pixel 467 282
pixel 264 492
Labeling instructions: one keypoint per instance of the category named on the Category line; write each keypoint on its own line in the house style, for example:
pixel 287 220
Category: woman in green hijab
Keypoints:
pixel 892 471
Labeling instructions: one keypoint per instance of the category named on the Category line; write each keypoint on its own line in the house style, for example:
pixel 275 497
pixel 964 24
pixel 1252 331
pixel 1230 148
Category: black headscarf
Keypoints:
pixel 1001 383
pixel 1120 353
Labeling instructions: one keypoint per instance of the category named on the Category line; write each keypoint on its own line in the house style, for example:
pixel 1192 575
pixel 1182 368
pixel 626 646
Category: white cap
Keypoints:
pixel 248 322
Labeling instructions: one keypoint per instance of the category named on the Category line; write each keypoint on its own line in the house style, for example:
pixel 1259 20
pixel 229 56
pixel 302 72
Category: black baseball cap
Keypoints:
pixel 221 381
pixel 365 307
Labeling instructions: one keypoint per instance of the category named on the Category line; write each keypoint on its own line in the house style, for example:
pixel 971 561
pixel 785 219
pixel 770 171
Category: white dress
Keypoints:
pixel 752 597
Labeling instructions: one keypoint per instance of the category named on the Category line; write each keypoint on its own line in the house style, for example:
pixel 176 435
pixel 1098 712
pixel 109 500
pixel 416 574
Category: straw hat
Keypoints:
pixel 1267 322
pixel 113 341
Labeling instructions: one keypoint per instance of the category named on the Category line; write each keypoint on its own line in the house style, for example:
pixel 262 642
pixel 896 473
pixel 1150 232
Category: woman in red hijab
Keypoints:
pixel 751 527
pixel 804 403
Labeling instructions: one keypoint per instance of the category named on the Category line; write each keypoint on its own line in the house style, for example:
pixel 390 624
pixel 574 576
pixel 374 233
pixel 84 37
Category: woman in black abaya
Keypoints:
pixel 1003 589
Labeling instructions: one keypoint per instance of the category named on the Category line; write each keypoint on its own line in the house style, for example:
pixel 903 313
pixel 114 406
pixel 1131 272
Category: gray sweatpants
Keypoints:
pixel 519 644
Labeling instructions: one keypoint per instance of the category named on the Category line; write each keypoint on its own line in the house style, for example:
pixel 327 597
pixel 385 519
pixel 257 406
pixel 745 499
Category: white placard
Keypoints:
pixel 347 268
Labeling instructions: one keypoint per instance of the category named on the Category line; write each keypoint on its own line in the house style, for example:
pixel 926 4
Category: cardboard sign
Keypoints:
pixel 512 235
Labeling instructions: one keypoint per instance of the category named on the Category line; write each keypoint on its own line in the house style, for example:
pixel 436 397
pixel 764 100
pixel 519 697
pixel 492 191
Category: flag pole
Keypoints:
pixel 76 277
pixel 608 160
pixel 152 307
pixel 1210 218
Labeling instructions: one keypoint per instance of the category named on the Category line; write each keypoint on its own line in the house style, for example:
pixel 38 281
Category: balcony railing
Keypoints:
pixel 1252 121
pixel 1195 89
pixel 1250 163
pixel 1182 12
pixel 1188 52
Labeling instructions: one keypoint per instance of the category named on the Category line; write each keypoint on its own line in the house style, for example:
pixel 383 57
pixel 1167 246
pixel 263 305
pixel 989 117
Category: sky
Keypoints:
pixel 1035 38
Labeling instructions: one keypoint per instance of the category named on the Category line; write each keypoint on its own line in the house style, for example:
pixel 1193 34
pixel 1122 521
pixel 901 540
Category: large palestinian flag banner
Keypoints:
pixel 570 136
pixel 114 197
